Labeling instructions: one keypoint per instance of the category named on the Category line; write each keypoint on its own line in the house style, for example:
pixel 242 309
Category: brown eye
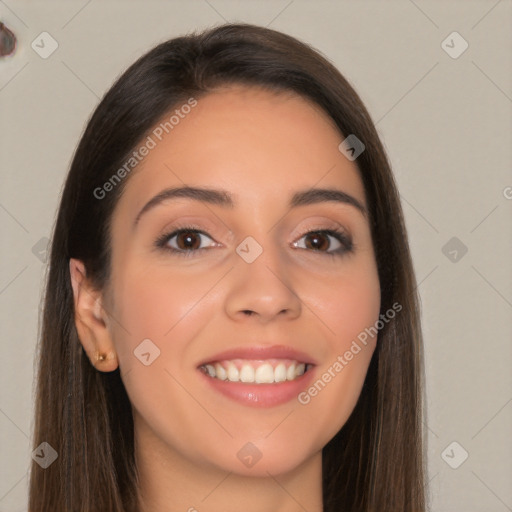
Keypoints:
pixel 317 241
pixel 188 240
pixel 326 241
pixel 185 241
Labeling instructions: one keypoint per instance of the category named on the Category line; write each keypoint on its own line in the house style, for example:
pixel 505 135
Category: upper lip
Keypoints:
pixel 261 352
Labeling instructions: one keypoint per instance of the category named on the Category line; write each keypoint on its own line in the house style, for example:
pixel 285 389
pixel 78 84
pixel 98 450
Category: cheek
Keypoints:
pixel 355 309
pixel 159 305
pixel 349 307
pixel 347 304
pixel 170 310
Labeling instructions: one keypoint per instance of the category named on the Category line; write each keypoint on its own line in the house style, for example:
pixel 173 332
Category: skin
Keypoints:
pixel 261 147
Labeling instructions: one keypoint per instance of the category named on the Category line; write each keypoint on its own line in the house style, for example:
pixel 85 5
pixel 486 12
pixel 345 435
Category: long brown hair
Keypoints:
pixel 376 461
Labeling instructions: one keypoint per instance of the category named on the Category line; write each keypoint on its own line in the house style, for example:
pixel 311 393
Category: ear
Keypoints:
pixel 91 320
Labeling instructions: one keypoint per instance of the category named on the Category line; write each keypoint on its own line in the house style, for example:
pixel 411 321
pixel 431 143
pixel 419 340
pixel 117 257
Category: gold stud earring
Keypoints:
pixel 100 357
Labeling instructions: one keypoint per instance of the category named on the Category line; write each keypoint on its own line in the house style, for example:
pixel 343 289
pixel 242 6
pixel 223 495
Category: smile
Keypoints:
pixel 256 371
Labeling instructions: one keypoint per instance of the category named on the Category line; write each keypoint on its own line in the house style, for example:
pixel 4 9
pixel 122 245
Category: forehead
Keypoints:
pixel 260 145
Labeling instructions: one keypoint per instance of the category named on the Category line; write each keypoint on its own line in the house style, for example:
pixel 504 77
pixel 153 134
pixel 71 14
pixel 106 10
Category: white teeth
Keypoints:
pixel 247 373
pixel 233 373
pixel 290 373
pixel 280 373
pixel 264 373
pixel 221 373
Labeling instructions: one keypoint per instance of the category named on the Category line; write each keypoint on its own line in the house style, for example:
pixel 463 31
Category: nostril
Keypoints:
pixel 7 41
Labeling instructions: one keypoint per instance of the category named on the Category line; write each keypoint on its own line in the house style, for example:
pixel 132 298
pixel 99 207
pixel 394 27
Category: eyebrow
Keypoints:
pixel 225 199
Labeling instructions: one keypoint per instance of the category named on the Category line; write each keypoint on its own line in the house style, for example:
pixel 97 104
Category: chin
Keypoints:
pixel 251 461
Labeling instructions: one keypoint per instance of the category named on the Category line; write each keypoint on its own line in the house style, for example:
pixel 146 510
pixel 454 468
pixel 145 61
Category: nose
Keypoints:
pixel 262 289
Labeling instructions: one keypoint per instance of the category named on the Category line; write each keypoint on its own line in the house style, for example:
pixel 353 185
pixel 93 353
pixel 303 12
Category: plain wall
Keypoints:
pixel 445 122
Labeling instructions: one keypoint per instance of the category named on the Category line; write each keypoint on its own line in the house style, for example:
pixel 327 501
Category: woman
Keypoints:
pixel 231 317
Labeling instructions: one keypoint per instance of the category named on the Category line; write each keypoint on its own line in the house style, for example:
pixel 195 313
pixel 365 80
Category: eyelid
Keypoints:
pixel 324 225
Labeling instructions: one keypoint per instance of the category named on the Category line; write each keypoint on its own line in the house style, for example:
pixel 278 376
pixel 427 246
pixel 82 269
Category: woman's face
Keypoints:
pixel 254 288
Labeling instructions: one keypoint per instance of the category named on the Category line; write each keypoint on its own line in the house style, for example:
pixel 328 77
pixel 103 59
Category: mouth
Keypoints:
pixel 250 371
pixel 258 376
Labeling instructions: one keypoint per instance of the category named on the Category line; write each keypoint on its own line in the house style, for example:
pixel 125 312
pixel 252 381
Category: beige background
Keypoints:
pixel 446 123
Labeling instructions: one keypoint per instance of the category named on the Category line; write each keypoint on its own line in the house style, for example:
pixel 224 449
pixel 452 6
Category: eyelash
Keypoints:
pixel 341 237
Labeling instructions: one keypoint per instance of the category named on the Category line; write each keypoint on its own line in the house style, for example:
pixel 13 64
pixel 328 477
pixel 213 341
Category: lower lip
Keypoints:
pixel 261 395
